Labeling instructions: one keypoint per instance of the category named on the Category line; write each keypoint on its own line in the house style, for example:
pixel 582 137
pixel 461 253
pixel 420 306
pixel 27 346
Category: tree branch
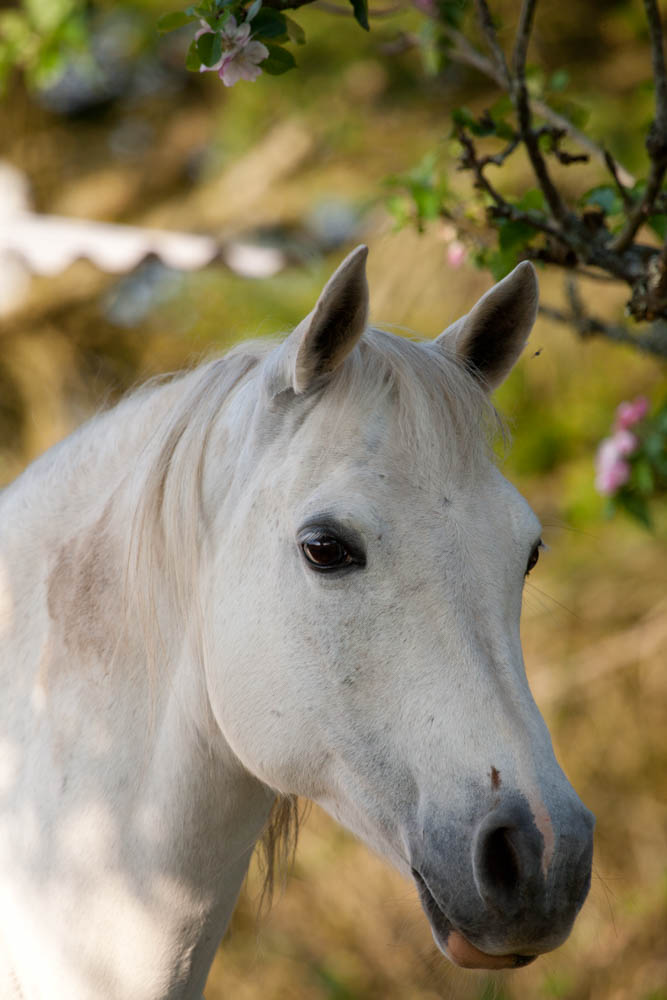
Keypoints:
pixel 463 52
pixel 659 74
pixel 653 341
pixel 491 36
pixel 522 38
pixel 574 240
pixel 501 208
pixel 522 105
pixel 620 182
pixel 656 140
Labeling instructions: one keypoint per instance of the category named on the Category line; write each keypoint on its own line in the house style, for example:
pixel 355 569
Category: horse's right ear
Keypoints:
pixel 322 341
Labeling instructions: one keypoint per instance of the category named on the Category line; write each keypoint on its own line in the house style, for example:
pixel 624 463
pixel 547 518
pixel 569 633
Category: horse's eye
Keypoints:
pixel 326 553
pixel 534 556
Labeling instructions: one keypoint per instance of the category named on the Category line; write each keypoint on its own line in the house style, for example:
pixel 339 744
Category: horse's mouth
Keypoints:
pixel 455 945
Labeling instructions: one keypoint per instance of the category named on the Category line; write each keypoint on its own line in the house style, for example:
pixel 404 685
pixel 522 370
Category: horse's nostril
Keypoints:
pixel 507 857
pixel 499 867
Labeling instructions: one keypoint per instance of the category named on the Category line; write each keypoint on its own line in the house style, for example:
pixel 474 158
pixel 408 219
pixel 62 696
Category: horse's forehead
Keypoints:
pixel 364 457
pixel 377 432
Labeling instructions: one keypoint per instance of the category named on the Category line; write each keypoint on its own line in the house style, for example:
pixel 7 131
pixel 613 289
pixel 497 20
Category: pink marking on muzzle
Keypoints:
pixel 543 823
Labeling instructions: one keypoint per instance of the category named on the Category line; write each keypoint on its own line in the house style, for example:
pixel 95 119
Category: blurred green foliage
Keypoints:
pixel 38 37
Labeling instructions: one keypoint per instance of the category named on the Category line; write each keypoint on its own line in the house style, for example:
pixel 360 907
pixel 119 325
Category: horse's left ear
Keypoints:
pixel 322 341
pixel 491 337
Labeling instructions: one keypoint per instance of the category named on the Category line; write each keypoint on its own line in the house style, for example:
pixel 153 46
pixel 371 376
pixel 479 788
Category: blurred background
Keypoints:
pixel 284 176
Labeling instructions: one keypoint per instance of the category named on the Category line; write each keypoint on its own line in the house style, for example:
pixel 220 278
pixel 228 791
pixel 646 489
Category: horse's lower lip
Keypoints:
pixel 455 945
pixel 460 951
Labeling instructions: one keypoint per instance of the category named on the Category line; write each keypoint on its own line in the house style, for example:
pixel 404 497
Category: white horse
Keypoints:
pixel 295 571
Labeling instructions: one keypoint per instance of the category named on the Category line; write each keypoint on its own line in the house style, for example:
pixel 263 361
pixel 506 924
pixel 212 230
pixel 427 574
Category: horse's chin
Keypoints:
pixel 455 946
pixel 461 952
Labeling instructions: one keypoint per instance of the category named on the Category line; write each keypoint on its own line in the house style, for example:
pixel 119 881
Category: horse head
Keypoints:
pixel 363 610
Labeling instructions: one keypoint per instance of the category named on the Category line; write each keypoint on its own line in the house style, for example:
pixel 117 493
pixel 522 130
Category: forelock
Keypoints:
pixel 437 411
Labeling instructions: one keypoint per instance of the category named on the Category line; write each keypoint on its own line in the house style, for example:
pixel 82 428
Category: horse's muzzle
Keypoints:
pixel 493 899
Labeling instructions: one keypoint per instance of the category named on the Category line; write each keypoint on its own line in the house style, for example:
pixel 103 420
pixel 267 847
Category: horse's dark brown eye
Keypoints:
pixel 534 556
pixel 326 553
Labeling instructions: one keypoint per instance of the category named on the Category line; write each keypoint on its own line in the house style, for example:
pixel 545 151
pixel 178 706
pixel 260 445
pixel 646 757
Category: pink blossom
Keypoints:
pixel 243 64
pixel 629 414
pixel 235 35
pixel 625 442
pixel 611 469
pixel 240 55
pixel 456 253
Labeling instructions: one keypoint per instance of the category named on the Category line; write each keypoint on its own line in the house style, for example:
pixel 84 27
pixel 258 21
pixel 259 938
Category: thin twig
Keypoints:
pixel 523 37
pixel 497 159
pixel 491 36
pixel 501 208
pixel 463 52
pixel 579 137
pixel 653 341
pixel 522 105
pixel 642 209
pixel 556 135
pixel 659 73
pixel 614 170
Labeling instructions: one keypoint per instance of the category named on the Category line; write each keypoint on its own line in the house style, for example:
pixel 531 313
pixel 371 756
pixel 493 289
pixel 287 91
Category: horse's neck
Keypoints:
pixel 141 823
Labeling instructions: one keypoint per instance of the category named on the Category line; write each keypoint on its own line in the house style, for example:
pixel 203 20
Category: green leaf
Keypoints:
pixel 452 11
pixel 642 474
pixel 170 22
pixel 513 234
pixel 463 117
pixel 269 23
pixel 604 197
pixel 559 80
pixel 501 262
pixel 279 60
pixel 399 207
pixel 50 64
pixel 360 8
pixel 192 60
pixel 502 106
pixel 209 47
pixel 294 31
pixel 658 223
pixel 483 126
pixel 635 506
pixel 545 142
pixel 427 202
pixel 504 130
pixel 533 201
